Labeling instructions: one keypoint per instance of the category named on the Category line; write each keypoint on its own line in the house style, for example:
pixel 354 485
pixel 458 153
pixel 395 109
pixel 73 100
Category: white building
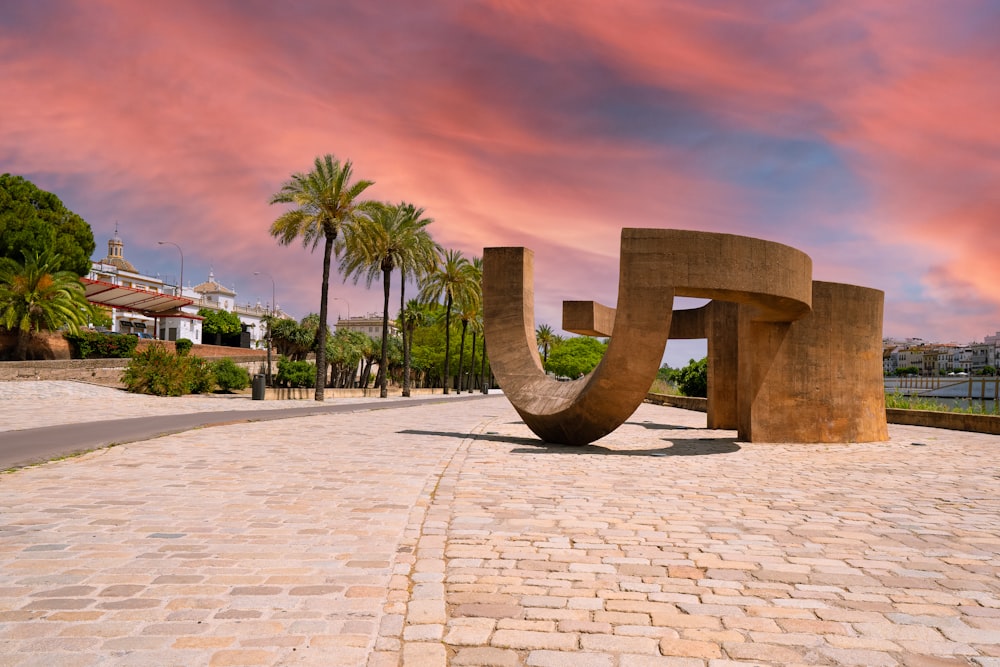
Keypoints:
pixel 144 305
pixel 370 325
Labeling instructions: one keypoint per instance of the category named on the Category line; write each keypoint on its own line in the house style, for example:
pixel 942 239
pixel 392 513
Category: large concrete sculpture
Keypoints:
pixel 790 359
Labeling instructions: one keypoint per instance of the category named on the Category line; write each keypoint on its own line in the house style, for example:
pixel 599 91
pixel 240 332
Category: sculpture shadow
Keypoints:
pixel 495 437
pixel 677 447
pixel 664 427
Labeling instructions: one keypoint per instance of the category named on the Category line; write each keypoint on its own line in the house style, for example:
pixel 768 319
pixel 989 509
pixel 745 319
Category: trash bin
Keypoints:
pixel 258 387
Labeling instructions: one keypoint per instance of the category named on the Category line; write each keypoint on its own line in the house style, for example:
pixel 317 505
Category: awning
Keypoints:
pixel 128 298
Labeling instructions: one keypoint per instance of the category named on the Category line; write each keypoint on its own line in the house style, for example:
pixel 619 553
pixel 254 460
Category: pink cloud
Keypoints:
pixel 504 121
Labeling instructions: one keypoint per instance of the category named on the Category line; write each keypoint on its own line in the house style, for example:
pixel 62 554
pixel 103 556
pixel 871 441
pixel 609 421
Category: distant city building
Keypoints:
pixel 370 325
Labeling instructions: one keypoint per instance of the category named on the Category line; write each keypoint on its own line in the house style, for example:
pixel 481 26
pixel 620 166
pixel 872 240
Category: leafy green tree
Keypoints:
pixel 220 322
pixel 988 370
pixel 666 373
pixel 344 351
pixel 413 316
pixel 33 221
pixel 692 380
pixel 394 236
pixel 453 279
pixel 324 200
pixel 36 295
pixel 100 317
pixel 575 356
pixel 290 338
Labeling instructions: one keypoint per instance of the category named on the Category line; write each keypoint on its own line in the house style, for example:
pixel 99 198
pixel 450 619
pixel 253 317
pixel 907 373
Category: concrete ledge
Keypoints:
pixel 955 421
pixel 683 402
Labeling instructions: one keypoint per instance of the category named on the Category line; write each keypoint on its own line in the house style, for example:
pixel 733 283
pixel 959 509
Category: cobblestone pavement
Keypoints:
pixel 447 534
pixel 32 404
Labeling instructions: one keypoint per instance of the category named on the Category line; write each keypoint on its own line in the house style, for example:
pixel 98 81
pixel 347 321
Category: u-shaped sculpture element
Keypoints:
pixel 773 280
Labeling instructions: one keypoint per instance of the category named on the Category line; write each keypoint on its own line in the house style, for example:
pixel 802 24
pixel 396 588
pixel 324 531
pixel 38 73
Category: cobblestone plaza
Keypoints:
pixel 448 534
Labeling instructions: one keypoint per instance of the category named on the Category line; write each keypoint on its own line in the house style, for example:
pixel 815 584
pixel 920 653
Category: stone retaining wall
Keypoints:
pixel 956 421
pixel 108 372
pixel 683 402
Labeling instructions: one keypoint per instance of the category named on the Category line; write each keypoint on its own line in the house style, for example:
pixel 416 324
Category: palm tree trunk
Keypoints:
pixel 321 332
pixel 407 362
pixel 22 344
pixel 482 373
pixel 447 345
pixel 461 356
pixel 405 335
pixel 383 364
pixel 472 362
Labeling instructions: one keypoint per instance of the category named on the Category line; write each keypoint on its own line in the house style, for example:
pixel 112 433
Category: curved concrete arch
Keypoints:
pixel 773 280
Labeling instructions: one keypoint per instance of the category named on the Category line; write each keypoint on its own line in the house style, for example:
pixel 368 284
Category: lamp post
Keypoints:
pixel 180 288
pixel 269 323
pixel 337 298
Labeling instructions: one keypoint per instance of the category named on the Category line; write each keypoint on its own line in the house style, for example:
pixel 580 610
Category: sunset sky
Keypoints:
pixel 866 134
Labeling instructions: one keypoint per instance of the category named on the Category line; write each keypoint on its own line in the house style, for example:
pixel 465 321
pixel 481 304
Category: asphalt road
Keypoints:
pixel 36 445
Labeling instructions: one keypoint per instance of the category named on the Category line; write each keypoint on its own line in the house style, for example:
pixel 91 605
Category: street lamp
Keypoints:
pixel 269 324
pixel 180 288
pixel 337 298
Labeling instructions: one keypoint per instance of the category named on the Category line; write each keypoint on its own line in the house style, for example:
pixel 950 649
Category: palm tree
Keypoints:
pixel 414 315
pixel 35 295
pixel 468 310
pixel 544 338
pixel 393 237
pixel 425 257
pixel 325 200
pixel 453 280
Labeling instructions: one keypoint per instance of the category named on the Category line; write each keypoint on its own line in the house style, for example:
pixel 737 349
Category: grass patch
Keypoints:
pixel 973 406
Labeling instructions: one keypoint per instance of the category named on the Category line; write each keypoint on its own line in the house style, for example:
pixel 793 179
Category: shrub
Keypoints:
pixel 183 346
pixel 229 376
pixel 94 345
pixel 295 373
pixel 202 379
pixel 156 371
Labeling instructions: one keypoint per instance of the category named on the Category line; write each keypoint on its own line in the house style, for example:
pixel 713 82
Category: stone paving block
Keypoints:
pixel 419 654
pixel 690 649
pixel 527 639
pixel 630 660
pixel 619 644
pixel 566 659
pixel 485 656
